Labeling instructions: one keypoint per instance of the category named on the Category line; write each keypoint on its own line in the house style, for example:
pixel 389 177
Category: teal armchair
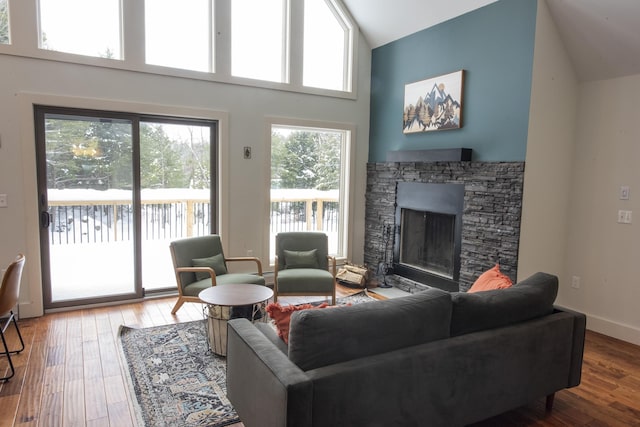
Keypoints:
pixel 199 263
pixel 303 265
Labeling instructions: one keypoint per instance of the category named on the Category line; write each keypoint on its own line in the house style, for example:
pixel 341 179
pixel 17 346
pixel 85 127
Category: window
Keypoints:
pixel 4 22
pixel 258 39
pixel 327 41
pixel 309 172
pixel 188 44
pixel 90 28
pixel 304 46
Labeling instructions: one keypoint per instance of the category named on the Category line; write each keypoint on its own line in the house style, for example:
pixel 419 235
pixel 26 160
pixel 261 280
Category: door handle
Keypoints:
pixel 45 219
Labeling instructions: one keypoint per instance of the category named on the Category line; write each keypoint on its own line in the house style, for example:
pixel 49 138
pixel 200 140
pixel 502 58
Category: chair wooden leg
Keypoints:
pixel 178 305
pixel 549 404
pixel 333 294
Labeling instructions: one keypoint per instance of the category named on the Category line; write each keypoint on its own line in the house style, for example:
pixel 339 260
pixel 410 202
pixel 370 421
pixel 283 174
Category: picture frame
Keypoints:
pixel 433 104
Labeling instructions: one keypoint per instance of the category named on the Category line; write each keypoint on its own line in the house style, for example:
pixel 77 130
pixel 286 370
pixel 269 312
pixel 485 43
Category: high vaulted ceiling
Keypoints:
pixel 602 38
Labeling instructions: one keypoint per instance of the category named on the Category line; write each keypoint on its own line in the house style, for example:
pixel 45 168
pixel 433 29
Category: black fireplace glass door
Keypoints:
pixel 428 241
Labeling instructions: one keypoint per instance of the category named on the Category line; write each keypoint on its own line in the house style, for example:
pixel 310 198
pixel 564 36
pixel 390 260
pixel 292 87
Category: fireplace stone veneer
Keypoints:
pixel 490 219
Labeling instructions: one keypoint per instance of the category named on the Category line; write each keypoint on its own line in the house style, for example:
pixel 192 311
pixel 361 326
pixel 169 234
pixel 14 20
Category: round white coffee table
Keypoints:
pixel 220 299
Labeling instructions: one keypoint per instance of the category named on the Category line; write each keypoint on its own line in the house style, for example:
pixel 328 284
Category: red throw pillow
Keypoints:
pixel 282 315
pixel 491 279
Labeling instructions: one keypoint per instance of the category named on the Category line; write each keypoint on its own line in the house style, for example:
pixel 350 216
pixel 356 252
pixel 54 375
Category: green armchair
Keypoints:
pixel 199 263
pixel 303 265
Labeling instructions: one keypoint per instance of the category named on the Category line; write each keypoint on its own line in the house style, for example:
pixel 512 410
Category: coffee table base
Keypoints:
pixel 216 328
pixel 216 317
pixel 227 301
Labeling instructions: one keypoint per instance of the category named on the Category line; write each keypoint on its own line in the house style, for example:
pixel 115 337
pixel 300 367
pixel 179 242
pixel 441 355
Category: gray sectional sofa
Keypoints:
pixel 429 359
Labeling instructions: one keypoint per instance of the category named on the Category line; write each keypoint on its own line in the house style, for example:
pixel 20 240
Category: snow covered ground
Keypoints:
pixel 92 254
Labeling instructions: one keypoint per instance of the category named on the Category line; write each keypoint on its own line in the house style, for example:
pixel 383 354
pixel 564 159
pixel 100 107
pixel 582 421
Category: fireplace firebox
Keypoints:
pixel 428 233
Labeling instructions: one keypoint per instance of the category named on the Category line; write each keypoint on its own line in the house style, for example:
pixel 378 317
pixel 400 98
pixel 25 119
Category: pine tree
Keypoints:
pixel 160 159
pixel 299 161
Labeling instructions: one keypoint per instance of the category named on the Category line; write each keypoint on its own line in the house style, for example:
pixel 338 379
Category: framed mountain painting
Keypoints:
pixel 434 103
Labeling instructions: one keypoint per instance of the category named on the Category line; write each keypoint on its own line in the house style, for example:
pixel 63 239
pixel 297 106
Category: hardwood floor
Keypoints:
pixel 70 374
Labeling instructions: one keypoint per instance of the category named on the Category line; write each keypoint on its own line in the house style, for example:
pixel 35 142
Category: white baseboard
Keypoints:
pixel 28 309
pixel 616 330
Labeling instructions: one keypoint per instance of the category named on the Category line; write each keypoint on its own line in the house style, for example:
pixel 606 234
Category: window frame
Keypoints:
pixel 347 184
pixel 24 42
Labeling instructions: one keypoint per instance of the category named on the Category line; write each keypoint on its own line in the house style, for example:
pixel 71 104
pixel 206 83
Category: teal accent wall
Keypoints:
pixel 494 45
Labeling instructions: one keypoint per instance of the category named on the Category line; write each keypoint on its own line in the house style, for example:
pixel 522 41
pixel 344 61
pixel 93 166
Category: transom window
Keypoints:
pixel 258 42
pixel 188 45
pixel 327 44
pixel 90 28
pixel 294 45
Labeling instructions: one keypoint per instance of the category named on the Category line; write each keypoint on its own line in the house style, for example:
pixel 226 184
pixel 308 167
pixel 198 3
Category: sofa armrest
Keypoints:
pixel 579 330
pixel 263 385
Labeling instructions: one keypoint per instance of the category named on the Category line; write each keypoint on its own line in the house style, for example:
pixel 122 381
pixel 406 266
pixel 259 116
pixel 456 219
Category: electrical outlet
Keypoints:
pixel 624 217
pixel 575 282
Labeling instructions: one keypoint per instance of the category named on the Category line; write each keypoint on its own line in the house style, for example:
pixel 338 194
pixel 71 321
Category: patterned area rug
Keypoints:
pixel 362 296
pixel 357 298
pixel 174 377
pixel 176 380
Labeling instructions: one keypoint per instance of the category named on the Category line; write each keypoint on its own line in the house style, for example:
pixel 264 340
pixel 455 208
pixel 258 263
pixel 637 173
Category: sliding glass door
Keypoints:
pixel 175 196
pixel 115 189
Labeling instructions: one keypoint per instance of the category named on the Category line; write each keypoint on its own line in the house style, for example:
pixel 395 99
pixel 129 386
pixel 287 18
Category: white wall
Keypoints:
pixel 604 254
pixel 583 145
pixel 26 80
pixel 547 176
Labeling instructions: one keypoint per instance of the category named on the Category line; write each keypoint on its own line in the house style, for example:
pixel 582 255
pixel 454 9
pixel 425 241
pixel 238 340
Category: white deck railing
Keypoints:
pixel 91 216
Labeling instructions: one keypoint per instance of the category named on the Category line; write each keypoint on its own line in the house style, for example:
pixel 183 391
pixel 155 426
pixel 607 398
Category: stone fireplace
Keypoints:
pixel 442 223
pixel 427 238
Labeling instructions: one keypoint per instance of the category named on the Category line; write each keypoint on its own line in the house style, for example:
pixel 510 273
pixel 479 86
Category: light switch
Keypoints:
pixel 3 201
pixel 624 192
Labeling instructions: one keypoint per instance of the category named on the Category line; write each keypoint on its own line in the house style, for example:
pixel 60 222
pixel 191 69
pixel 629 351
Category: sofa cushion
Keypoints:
pixel 490 280
pixel 531 298
pixel 301 280
pixel 323 337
